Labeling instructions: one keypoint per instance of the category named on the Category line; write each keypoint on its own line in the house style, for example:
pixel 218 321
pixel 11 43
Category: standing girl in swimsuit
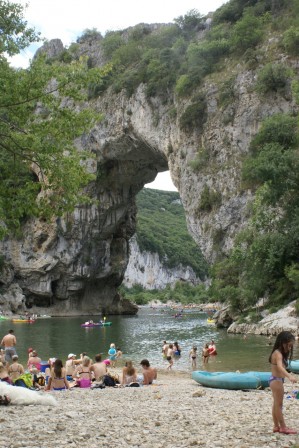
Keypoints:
pixel 193 357
pixel 281 353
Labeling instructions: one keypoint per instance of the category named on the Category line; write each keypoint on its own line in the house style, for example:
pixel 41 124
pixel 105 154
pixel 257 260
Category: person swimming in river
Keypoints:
pixel 212 348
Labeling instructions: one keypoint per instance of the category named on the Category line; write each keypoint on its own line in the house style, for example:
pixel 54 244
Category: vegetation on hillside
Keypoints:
pixel 265 261
pixel 38 128
pixel 172 61
pixel 162 229
pixel 180 55
pixel 182 292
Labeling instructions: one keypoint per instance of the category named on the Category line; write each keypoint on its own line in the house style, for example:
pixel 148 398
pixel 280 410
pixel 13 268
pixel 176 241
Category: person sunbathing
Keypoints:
pixel 129 374
pixel 99 368
pixel 57 380
pixel 15 369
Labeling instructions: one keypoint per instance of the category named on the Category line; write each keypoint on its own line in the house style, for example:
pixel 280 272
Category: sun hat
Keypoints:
pixel 71 355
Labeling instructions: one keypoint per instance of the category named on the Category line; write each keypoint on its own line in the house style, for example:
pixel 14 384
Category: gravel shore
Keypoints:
pixel 174 413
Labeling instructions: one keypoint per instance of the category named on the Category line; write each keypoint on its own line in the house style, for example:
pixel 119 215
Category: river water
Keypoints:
pixel 141 336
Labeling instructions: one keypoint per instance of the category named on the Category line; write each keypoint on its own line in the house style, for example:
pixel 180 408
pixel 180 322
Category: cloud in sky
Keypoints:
pixel 163 181
pixel 67 19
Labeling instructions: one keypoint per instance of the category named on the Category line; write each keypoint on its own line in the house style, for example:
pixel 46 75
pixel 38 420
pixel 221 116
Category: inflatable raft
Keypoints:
pixel 211 321
pixel 232 380
pixel 293 366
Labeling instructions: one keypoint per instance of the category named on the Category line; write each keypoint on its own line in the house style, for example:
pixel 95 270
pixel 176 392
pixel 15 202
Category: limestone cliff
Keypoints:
pixel 75 264
pixel 146 269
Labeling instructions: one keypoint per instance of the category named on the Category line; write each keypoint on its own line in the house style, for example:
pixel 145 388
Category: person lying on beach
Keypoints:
pixel 149 374
pixel 15 369
pixel 57 380
pixel 129 374
pixel 98 368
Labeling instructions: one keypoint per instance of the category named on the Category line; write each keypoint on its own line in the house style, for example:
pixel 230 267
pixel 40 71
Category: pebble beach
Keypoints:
pixel 174 413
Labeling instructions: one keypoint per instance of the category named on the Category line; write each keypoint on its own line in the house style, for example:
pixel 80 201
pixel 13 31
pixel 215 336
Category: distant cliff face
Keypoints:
pixel 75 264
pixel 146 269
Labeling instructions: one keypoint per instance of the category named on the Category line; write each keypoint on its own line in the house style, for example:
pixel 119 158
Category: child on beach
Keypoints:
pixel 205 354
pixel 112 355
pixel 193 357
pixel 282 351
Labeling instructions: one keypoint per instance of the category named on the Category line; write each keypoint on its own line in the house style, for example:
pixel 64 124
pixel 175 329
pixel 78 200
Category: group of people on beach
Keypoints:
pixel 74 372
pixel 82 372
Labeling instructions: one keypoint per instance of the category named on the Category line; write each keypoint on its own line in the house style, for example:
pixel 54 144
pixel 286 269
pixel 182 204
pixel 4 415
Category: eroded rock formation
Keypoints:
pixel 75 264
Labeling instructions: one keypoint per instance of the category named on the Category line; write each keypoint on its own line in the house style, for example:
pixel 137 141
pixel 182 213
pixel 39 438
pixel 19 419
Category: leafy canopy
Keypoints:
pixel 41 113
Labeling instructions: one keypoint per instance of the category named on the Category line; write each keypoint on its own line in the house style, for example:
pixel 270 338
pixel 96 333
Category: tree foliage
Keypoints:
pixel 41 113
pixel 161 228
pixel 264 261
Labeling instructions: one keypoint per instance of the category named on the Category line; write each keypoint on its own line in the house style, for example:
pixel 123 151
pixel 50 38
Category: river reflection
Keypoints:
pixel 140 337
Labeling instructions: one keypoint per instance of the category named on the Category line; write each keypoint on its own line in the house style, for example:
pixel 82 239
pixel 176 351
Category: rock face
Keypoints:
pixel 285 319
pixel 146 269
pixel 75 264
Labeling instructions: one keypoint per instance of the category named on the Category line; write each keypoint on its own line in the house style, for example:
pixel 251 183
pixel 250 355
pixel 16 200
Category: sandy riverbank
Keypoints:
pixel 171 414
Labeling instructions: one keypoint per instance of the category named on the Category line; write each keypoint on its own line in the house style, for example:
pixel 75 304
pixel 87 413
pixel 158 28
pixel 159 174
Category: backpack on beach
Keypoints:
pixel 109 381
pixel 24 380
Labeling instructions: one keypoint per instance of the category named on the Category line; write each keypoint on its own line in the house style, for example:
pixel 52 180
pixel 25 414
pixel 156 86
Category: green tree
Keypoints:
pixel 41 113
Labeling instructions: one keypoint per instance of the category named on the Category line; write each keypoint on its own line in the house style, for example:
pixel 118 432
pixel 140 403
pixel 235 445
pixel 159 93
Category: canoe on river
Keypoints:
pixel 227 380
pixel 25 321
pixel 96 324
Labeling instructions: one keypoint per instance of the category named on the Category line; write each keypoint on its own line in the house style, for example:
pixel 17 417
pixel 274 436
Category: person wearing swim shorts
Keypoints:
pixel 9 342
pixel 281 353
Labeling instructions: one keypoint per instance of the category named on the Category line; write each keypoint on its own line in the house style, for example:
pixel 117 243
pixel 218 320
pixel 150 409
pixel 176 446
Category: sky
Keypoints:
pixel 67 19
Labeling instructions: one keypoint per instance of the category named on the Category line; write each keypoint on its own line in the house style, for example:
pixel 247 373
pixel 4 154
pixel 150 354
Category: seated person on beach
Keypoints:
pixel 82 371
pixel 15 369
pixel 149 374
pixel 4 373
pixel 98 368
pixel 70 365
pixel 34 361
pixel 57 380
pixel 129 374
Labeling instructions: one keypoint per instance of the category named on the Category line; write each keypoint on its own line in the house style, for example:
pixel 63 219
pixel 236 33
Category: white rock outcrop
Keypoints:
pixel 146 269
